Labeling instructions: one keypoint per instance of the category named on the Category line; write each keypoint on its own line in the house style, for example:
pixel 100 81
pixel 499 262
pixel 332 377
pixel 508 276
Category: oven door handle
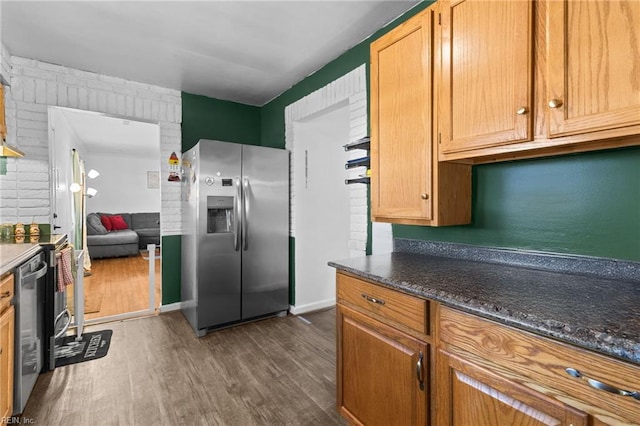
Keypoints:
pixel 41 272
pixel 66 326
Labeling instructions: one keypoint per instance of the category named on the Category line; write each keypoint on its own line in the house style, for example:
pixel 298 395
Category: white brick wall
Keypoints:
pixel 351 87
pixel 5 63
pixel 35 86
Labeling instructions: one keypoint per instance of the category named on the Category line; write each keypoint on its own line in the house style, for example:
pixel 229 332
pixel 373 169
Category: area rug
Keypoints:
pixel 145 253
pixel 92 346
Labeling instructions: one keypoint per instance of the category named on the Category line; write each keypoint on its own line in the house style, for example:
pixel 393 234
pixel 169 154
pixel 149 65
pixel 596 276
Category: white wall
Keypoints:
pixel 352 88
pixel 122 184
pixel 322 205
pixel 62 176
pixel 35 85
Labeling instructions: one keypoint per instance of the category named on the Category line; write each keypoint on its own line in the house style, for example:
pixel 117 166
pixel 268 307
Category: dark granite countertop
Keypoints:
pixel 599 314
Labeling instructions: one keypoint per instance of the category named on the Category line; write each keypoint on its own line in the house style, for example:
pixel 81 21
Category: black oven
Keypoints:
pixel 57 317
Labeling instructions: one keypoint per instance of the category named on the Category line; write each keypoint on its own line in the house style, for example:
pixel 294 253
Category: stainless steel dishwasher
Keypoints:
pixel 29 333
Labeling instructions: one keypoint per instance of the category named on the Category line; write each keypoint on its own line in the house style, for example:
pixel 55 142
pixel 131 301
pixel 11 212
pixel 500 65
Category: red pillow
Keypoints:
pixel 106 222
pixel 118 223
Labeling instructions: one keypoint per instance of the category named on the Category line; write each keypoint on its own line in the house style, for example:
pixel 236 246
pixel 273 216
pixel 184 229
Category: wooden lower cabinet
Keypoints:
pixel 491 374
pixel 383 374
pixel 468 394
pixel 6 362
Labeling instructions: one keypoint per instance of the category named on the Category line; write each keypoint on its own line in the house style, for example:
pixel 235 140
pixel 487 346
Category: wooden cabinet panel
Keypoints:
pixel 6 291
pixel 6 362
pixel 408 184
pixel 401 125
pixel 594 55
pixel 472 395
pixel 380 372
pixel 487 74
pixel 3 122
pixel 543 363
pixel 387 305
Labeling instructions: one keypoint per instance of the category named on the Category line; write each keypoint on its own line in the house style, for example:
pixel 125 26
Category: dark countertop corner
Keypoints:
pixel 592 312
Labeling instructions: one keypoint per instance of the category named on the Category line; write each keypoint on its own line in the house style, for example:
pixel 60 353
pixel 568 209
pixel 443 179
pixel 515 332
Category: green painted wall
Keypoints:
pixel 209 118
pixel 205 118
pixel 587 204
pixel 171 253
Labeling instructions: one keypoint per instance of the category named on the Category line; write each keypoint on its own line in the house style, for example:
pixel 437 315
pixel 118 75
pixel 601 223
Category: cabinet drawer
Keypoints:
pixel 6 291
pixel 387 305
pixel 544 362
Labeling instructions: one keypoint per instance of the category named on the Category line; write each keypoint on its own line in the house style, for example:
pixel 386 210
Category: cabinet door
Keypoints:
pixel 469 394
pixel 6 363
pixel 593 76
pixel 487 74
pixel 401 120
pixel 382 373
pixel 3 123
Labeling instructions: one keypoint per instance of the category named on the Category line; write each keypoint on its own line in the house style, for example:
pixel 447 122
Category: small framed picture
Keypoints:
pixel 153 180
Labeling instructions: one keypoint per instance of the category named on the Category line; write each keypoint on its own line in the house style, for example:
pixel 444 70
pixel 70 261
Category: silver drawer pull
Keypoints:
pixel 373 299
pixel 420 371
pixel 602 386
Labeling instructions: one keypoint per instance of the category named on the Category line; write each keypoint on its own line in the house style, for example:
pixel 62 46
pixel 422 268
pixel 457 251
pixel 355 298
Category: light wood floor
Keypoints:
pixel 279 371
pixel 123 283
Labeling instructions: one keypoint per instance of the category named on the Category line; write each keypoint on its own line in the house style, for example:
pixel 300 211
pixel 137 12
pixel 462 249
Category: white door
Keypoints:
pixel 322 214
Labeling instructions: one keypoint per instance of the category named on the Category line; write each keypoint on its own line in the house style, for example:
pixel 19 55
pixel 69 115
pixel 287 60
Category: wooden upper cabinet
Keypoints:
pixel 487 74
pixel 408 185
pixel 593 66
pixel 3 123
pixel 401 125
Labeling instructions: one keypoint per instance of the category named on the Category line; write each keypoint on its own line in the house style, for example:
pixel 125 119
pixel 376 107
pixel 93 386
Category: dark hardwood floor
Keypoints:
pixel 278 371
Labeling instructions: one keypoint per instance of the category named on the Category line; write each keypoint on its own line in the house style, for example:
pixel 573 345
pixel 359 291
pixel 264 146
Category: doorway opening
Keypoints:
pixel 322 205
pixel 106 198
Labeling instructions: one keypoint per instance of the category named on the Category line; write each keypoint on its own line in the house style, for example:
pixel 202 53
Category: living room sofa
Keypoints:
pixel 141 229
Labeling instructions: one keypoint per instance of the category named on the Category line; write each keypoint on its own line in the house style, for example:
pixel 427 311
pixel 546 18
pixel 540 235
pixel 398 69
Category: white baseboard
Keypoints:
pixel 171 307
pixel 310 307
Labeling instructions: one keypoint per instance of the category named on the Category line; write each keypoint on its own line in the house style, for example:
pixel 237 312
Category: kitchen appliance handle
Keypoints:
pixel 245 213
pixel 236 215
pixel 41 272
pixel 66 326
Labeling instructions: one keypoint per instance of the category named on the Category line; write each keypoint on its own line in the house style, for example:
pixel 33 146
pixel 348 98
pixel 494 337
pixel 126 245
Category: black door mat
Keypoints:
pixel 92 346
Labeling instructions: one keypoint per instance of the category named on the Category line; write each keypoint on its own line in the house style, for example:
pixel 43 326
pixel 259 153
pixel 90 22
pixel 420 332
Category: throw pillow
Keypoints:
pixel 94 225
pixel 118 223
pixel 106 222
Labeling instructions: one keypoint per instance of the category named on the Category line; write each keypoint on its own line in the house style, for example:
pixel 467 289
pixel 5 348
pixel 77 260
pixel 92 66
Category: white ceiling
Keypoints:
pixel 103 134
pixel 243 51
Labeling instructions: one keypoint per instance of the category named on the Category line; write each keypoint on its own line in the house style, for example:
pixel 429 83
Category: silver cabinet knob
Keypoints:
pixel 522 110
pixel 424 196
pixel 555 103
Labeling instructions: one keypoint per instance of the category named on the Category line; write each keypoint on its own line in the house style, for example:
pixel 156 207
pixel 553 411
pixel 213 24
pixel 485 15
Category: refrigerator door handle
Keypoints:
pixel 245 213
pixel 236 213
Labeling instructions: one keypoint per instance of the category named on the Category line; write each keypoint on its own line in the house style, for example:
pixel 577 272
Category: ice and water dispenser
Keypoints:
pixel 219 214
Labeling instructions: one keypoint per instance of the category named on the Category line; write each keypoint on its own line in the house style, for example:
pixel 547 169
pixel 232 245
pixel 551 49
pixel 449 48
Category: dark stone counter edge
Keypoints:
pixel 581 337
pixel 555 262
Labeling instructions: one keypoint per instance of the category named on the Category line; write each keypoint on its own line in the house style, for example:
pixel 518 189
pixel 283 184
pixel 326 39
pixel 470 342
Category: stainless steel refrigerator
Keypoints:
pixel 235 243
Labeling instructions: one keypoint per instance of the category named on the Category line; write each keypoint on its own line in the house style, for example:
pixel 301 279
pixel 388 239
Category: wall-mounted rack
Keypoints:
pixel 357 180
pixel 362 143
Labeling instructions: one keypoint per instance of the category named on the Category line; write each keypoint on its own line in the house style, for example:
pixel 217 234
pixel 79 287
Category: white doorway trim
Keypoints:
pixel 350 88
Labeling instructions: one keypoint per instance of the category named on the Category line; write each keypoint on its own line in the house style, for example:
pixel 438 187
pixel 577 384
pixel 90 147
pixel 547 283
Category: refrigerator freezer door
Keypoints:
pixel 219 280
pixel 265 240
